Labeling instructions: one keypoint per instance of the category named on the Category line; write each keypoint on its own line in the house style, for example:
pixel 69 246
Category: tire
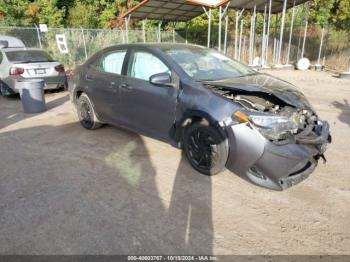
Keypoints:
pixel 86 113
pixel 4 90
pixel 205 148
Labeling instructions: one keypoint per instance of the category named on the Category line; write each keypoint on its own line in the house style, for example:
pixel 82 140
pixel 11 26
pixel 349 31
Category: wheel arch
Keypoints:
pixel 192 116
pixel 76 94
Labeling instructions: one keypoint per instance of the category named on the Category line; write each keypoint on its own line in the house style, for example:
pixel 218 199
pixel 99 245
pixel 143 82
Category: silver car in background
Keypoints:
pixel 18 63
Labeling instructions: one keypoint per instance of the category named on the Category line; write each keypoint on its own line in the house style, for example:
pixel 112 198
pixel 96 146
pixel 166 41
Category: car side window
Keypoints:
pixel 111 63
pixel 144 65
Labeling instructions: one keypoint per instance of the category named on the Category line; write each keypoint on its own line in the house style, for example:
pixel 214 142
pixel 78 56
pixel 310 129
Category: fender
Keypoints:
pixel 186 119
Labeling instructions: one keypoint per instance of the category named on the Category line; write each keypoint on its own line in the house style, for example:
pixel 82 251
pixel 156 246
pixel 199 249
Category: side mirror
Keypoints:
pixel 162 79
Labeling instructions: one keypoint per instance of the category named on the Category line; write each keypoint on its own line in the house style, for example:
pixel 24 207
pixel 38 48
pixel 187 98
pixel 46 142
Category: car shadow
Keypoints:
pixel 344 115
pixel 190 211
pixel 75 191
pixel 11 110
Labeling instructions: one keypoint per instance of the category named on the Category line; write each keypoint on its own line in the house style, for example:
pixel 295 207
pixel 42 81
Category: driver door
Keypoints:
pixel 146 107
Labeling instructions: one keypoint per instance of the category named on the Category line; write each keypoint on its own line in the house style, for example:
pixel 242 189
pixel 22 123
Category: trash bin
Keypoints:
pixel 32 95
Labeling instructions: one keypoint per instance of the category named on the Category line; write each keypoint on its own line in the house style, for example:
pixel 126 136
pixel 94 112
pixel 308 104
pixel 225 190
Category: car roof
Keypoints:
pixel 161 46
pixel 12 41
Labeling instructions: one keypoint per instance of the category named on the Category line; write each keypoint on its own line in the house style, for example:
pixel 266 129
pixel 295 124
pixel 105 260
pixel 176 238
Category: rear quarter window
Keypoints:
pixel 111 62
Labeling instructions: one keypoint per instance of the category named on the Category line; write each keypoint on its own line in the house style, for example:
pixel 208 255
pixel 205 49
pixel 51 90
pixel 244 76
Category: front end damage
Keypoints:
pixel 275 137
pixel 275 166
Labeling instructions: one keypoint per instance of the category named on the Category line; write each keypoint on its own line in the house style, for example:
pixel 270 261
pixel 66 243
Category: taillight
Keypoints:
pixel 16 71
pixel 59 68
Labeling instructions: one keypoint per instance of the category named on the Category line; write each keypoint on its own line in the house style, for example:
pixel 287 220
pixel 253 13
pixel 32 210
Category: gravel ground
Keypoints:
pixel 67 190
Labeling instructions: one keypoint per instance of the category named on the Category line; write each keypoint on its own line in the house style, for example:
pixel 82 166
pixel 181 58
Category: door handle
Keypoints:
pixel 125 87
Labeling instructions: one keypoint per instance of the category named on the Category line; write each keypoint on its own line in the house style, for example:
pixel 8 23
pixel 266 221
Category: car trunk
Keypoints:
pixel 37 70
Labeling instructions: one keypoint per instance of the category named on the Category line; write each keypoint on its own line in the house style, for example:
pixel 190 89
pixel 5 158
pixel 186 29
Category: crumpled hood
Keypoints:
pixel 265 83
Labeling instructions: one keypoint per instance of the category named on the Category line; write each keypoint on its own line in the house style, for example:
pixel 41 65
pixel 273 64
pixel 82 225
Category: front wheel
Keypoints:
pixel 86 113
pixel 205 148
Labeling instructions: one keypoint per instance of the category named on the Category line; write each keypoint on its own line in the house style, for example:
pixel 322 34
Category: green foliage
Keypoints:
pixel 24 12
pixel 320 11
pixel 13 12
pixel 83 14
pixel 342 14
pixel 48 13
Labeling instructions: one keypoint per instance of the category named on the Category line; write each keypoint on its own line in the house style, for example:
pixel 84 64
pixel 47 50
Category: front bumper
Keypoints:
pixel 266 164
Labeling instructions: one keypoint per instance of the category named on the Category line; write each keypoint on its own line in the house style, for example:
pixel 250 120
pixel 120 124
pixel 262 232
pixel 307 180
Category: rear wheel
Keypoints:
pixel 86 113
pixel 205 148
pixel 4 90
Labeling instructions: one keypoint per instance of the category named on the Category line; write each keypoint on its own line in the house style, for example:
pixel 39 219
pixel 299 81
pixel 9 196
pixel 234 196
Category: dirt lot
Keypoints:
pixel 67 190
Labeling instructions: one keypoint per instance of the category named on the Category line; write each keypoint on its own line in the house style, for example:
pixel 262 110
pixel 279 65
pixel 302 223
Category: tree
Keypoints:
pixel 83 14
pixel 341 11
pixel 46 12
pixel 13 12
pixel 24 12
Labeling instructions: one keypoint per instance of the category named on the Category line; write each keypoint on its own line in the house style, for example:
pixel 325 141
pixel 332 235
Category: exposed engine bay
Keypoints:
pixel 306 122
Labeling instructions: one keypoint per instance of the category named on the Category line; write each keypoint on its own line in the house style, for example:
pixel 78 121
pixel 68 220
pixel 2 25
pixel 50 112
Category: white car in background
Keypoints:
pixel 18 63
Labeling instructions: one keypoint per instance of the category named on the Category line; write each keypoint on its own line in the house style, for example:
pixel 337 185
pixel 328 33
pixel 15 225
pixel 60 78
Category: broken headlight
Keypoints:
pixel 273 127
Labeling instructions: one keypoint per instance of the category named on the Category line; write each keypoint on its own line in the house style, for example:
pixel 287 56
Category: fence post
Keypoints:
pixel 208 13
pixel 281 33
pixel 268 32
pixel 226 29
pixel 250 40
pixel 263 39
pixel 82 33
pixel 240 40
pixel 252 37
pixel 159 32
pixel 238 16
pixel 127 19
pixel 291 33
pixel 304 40
pixel 38 34
pixel 236 35
pixel 144 30
pixel 320 50
pixel 220 22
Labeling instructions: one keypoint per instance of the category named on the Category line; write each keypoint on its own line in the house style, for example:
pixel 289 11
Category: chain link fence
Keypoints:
pixel 335 53
pixel 82 43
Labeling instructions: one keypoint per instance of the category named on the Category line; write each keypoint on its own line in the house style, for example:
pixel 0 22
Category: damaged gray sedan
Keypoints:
pixel 219 111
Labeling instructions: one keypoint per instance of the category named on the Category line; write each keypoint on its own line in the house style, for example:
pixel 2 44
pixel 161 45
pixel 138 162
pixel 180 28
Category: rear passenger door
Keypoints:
pixel 103 78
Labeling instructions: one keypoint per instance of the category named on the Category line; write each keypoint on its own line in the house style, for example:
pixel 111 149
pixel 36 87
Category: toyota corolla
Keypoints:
pixel 219 111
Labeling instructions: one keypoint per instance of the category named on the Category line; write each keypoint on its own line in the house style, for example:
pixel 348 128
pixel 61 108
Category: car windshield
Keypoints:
pixel 28 56
pixel 207 65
